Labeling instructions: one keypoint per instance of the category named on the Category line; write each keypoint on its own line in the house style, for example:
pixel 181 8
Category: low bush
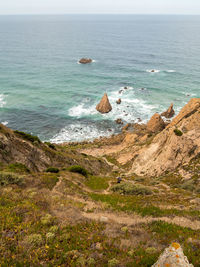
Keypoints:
pixel 50 145
pixel 131 189
pixel 178 132
pixel 17 167
pixel 78 169
pixel 10 178
pixel 27 136
pixel 97 183
pixel 52 170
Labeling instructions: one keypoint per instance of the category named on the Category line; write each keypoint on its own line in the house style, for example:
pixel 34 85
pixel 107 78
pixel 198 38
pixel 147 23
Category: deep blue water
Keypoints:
pixel 45 92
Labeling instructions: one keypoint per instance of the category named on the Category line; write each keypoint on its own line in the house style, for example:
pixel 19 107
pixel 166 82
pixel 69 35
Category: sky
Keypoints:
pixel 100 6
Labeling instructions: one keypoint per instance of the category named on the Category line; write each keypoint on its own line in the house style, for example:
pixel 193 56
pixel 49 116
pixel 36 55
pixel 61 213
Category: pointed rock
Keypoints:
pixel 104 106
pixel 169 113
pixel 173 257
pixel 155 124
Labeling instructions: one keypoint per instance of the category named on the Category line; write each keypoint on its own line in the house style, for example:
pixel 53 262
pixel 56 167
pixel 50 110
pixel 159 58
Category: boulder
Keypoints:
pixel 173 257
pixel 119 101
pixel 85 60
pixel 169 113
pixel 155 124
pixel 104 106
pixel 119 121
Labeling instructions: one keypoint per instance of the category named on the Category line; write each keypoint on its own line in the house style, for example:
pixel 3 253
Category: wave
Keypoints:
pixel 4 123
pixel 2 100
pixel 170 71
pixel 80 132
pixel 82 110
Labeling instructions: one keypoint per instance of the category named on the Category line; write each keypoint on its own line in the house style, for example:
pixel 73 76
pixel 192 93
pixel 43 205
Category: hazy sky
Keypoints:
pixel 100 6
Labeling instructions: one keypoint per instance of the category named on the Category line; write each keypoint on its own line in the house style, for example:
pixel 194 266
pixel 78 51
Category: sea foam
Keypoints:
pixel 2 100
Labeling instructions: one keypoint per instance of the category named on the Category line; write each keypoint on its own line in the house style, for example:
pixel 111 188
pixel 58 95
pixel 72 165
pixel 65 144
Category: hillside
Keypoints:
pixel 60 205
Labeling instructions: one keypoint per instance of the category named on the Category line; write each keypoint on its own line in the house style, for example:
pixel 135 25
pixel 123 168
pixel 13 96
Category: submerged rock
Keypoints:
pixel 104 106
pixel 173 257
pixel 119 121
pixel 169 113
pixel 85 60
pixel 155 124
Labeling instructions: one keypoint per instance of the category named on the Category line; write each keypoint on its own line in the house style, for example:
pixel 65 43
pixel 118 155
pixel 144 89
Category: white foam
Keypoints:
pixel 4 123
pixel 2 100
pixel 170 71
pixel 153 71
pixel 82 110
pixel 79 132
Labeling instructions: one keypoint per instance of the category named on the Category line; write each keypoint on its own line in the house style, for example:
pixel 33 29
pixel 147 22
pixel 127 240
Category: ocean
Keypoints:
pixel 44 91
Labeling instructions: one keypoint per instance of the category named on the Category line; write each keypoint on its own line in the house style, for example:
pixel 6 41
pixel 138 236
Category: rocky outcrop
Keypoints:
pixel 173 257
pixel 155 124
pixel 119 101
pixel 85 60
pixel 169 150
pixel 169 113
pixel 104 106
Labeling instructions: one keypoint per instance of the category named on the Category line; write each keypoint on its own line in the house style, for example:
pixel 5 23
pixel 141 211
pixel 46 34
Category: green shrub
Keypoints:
pixel 97 183
pixel 78 169
pixel 113 262
pixel 52 170
pixel 50 145
pixel 17 167
pixel 27 136
pixel 178 132
pixel 131 189
pixel 7 178
pixel 47 219
pixel 49 180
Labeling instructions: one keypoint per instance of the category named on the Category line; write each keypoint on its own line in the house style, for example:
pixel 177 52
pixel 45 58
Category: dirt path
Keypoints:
pixel 136 219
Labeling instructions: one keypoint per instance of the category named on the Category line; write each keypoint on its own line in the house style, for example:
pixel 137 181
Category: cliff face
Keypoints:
pixel 176 145
pixel 29 150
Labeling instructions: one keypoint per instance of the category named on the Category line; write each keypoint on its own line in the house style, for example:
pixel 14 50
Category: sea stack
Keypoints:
pixel 85 60
pixel 104 105
pixel 169 113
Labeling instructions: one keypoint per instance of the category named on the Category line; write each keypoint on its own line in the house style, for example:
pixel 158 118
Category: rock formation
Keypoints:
pixel 167 151
pixel 173 257
pixel 119 121
pixel 119 101
pixel 155 124
pixel 104 106
pixel 85 60
pixel 169 113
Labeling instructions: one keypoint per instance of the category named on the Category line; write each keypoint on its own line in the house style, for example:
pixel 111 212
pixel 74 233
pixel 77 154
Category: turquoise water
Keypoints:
pixel 44 91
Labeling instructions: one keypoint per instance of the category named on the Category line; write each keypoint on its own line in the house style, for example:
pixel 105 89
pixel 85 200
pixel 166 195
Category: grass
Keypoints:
pixel 28 137
pixel 17 168
pixel 97 183
pixel 141 205
pixel 49 180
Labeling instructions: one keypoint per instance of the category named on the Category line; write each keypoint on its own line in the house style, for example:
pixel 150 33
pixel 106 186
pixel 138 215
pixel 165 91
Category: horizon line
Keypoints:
pixel 86 14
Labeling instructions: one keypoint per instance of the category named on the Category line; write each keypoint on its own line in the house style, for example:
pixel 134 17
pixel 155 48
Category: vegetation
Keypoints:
pixel 97 183
pixel 17 168
pixel 10 178
pixel 28 137
pixel 52 170
pixel 131 189
pixel 178 132
pixel 78 169
pixel 50 145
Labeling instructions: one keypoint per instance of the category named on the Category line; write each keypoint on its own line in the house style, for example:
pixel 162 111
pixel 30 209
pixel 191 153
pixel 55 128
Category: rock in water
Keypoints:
pixel 85 60
pixel 173 257
pixel 119 101
pixel 169 113
pixel 155 124
pixel 104 106
pixel 119 121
